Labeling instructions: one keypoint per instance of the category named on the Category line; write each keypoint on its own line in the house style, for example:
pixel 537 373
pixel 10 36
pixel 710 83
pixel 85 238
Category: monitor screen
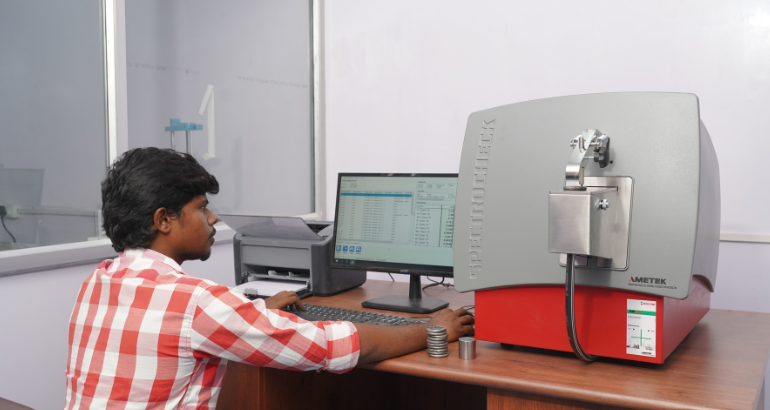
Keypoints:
pixel 399 223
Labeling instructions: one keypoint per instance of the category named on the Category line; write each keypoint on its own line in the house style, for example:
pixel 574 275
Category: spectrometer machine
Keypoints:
pixel 589 223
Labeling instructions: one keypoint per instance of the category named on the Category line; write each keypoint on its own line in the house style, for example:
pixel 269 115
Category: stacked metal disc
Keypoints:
pixel 437 341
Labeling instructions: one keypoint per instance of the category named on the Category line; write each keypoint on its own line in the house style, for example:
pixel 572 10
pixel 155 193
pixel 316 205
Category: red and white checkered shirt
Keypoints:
pixel 144 334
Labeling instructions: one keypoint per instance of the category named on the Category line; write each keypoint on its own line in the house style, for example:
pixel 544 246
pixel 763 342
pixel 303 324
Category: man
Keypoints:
pixel 143 334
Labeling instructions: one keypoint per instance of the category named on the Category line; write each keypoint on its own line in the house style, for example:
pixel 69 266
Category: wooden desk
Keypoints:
pixel 720 365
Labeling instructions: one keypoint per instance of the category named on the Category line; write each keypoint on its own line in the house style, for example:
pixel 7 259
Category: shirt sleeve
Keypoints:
pixel 227 325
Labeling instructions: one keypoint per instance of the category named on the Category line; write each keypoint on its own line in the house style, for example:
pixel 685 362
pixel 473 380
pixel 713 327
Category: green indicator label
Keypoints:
pixel 641 312
pixel 641 327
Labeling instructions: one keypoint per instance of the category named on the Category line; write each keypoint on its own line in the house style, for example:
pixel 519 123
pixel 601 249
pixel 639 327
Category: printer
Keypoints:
pixel 268 248
pixel 589 223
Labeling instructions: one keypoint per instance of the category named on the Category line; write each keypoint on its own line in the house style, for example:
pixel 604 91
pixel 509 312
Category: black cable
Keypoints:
pixel 469 309
pixel 570 307
pixel 433 284
pixel 2 219
pixel 436 283
pixel 391 277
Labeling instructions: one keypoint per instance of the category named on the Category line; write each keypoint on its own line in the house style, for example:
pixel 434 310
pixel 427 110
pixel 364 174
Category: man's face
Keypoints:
pixel 193 233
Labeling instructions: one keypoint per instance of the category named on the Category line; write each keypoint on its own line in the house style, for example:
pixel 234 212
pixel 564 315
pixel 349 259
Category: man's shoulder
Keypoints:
pixel 147 267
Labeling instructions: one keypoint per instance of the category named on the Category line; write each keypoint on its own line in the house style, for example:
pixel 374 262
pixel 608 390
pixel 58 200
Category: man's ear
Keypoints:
pixel 161 220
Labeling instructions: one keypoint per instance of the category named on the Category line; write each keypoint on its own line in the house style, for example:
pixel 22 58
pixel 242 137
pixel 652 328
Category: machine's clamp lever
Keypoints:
pixel 581 144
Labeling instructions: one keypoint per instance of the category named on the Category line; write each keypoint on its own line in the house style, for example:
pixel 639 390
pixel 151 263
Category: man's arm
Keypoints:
pixel 383 342
pixel 227 325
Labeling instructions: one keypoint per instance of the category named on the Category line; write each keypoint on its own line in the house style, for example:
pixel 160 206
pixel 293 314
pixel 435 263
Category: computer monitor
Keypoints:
pixel 399 223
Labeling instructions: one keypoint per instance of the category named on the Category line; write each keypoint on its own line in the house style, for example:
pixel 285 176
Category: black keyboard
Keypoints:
pixel 325 313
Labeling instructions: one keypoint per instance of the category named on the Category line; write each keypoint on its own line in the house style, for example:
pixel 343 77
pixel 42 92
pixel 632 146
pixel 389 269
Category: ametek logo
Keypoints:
pixel 656 281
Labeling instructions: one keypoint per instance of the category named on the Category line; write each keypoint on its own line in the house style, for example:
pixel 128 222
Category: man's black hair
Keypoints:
pixel 143 180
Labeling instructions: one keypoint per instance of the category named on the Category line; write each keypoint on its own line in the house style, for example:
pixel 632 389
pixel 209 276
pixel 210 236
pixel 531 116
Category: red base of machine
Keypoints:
pixel 535 317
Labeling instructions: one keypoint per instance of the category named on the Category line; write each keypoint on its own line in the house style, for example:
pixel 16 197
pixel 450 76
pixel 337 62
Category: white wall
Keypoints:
pixel 35 310
pixel 403 76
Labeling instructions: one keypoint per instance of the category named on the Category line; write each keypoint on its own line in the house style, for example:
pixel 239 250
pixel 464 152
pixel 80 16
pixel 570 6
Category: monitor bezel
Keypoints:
pixel 374 266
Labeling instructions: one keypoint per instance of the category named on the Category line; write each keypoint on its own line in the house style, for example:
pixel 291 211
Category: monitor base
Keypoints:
pixel 401 303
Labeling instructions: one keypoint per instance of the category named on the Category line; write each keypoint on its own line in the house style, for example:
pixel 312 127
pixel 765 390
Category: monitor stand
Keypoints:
pixel 414 303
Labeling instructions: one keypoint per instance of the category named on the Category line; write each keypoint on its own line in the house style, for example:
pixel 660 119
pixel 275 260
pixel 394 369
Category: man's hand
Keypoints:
pixel 284 298
pixel 383 342
pixel 457 323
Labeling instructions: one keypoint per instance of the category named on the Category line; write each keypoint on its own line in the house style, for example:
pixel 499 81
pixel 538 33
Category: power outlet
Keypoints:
pixel 11 211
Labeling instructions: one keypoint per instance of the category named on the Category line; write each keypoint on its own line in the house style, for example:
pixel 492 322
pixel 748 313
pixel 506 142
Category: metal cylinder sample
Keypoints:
pixel 467 348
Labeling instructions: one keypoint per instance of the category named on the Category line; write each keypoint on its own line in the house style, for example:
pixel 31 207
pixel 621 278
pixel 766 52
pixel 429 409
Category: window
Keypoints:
pixel 241 69
pixel 52 109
